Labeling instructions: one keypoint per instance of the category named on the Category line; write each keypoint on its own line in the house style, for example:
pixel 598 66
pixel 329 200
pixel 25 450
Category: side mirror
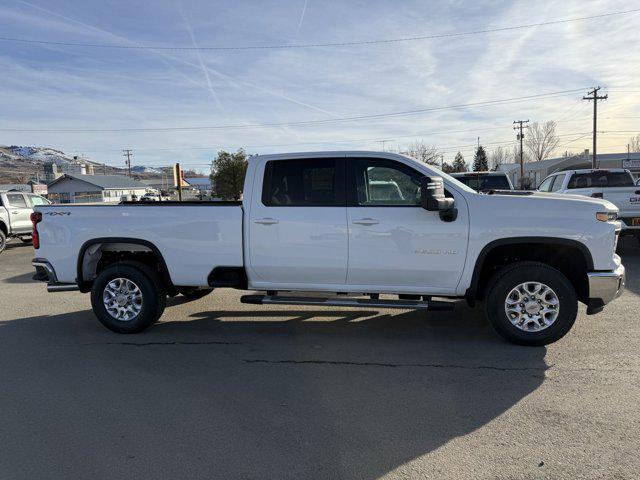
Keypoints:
pixel 432 196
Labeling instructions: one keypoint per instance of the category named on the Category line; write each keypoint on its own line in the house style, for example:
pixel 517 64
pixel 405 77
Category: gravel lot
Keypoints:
pixel 224 390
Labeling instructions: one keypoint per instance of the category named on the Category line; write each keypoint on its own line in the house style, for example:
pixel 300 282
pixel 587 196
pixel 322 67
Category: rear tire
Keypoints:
pixel 139 301
pixel 3 241
pixel 26 240
pixel 519 289
pixel 194 293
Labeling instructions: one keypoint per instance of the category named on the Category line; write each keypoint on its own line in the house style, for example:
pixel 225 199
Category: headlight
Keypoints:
pixel 606 216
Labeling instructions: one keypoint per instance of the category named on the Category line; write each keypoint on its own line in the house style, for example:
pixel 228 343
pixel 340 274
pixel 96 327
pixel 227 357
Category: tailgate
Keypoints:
pixel 627 199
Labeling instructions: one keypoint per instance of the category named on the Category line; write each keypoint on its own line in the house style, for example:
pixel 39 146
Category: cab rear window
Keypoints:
pixel 489 182
pixel 600 179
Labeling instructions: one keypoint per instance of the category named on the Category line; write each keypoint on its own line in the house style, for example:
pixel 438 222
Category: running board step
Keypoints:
pixel 347 302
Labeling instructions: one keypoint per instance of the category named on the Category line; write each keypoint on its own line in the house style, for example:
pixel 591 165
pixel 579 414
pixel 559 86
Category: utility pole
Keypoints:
pixel 177 180
pixel 383 142
pixel 628 155
pixel 127 153
pixel 595 97
pixel 520 137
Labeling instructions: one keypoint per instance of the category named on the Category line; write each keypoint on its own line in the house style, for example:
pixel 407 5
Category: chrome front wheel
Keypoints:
pixel 531 303
pixel 122 299
pixel 532 306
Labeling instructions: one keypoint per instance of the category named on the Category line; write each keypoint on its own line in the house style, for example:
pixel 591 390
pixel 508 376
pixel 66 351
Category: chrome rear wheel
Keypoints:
pixel 122 299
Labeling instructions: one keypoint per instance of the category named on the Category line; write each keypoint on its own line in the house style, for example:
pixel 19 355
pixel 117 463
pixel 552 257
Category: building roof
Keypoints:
pixel 204 181
pixel 571 161
pixel 104 181
pixel 15 187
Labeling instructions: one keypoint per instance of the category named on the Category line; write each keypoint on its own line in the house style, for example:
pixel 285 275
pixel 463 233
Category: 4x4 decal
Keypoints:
pixel 55 214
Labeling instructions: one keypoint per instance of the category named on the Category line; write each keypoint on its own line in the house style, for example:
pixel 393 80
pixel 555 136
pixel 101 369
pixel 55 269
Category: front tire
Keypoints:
pixel 531 303
pixel 128 297
pixel 3 241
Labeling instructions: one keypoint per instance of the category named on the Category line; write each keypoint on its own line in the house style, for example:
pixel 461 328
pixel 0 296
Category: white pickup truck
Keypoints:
pixel 615 185
pixel 15 211
pixel 317 222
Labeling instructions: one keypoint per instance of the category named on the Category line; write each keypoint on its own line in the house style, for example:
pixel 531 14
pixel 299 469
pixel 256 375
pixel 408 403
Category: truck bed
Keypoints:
pixel 192 237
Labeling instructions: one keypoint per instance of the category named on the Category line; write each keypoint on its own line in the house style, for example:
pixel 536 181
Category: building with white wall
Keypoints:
pixel 94 188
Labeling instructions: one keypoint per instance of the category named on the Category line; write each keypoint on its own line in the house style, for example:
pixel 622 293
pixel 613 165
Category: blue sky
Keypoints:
pixel 46 87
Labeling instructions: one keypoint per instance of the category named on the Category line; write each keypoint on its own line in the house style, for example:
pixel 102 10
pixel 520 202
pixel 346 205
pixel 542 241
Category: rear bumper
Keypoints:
pixel 46 273
pixel 605 287
pixel 627 227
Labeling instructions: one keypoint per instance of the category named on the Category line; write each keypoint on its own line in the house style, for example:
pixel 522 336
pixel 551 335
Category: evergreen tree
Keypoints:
pixel 480 163
pixel 459 165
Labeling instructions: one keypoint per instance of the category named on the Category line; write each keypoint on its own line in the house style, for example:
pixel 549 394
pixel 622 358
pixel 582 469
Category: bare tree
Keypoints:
pixel 499 156
pixel 541 140
pixel 634 143
pixel 424 152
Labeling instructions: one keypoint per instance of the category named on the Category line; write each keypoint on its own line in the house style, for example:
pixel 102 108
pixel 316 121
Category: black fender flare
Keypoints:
pixel 85 286
pixel 472 292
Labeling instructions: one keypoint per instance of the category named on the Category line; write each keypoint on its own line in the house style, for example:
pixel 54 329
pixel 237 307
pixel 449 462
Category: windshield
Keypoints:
pixel 483 183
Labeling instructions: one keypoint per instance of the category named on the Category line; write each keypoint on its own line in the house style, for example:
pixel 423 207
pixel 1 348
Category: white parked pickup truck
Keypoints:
pixel 15 211
pixel 318 222
pixel 615 185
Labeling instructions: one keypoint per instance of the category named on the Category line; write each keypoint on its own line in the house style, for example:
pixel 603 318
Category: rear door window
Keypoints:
pixel 304 183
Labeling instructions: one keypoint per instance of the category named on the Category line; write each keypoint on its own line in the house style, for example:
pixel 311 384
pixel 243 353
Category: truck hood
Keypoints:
pixel 578 200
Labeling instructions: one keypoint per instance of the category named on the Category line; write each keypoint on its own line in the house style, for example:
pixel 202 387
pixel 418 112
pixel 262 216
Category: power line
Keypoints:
pixel 315 45
pixel 302 122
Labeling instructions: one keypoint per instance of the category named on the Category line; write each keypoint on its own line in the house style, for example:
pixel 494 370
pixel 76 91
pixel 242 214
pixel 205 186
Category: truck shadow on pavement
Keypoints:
pixel 629 250
pixel 273 393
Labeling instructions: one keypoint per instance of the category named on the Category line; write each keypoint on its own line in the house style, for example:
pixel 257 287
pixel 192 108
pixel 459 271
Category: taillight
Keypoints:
pixel 596 195
pixel 36 218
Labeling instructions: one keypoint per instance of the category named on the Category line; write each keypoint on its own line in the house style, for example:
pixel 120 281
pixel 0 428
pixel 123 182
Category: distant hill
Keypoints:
pixel 148 170
pixel 35 155
pixel 18 163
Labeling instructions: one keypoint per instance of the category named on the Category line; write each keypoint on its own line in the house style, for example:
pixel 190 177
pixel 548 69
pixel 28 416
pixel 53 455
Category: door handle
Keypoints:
pixel 266 221
pixel 15 212
pixel 366 221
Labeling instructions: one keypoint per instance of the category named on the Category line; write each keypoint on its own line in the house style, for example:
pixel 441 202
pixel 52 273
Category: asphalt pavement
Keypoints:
pixel 219 389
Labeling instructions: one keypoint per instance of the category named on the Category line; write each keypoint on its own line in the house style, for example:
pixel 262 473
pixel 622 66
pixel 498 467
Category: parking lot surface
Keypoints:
pixel 219 389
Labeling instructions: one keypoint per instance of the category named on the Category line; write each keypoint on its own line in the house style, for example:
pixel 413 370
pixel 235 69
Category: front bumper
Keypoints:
pixel 46 273
pixel 605 287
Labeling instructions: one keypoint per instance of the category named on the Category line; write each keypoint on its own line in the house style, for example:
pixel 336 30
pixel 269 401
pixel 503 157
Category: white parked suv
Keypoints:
pixel 615 185
pixel 365 223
